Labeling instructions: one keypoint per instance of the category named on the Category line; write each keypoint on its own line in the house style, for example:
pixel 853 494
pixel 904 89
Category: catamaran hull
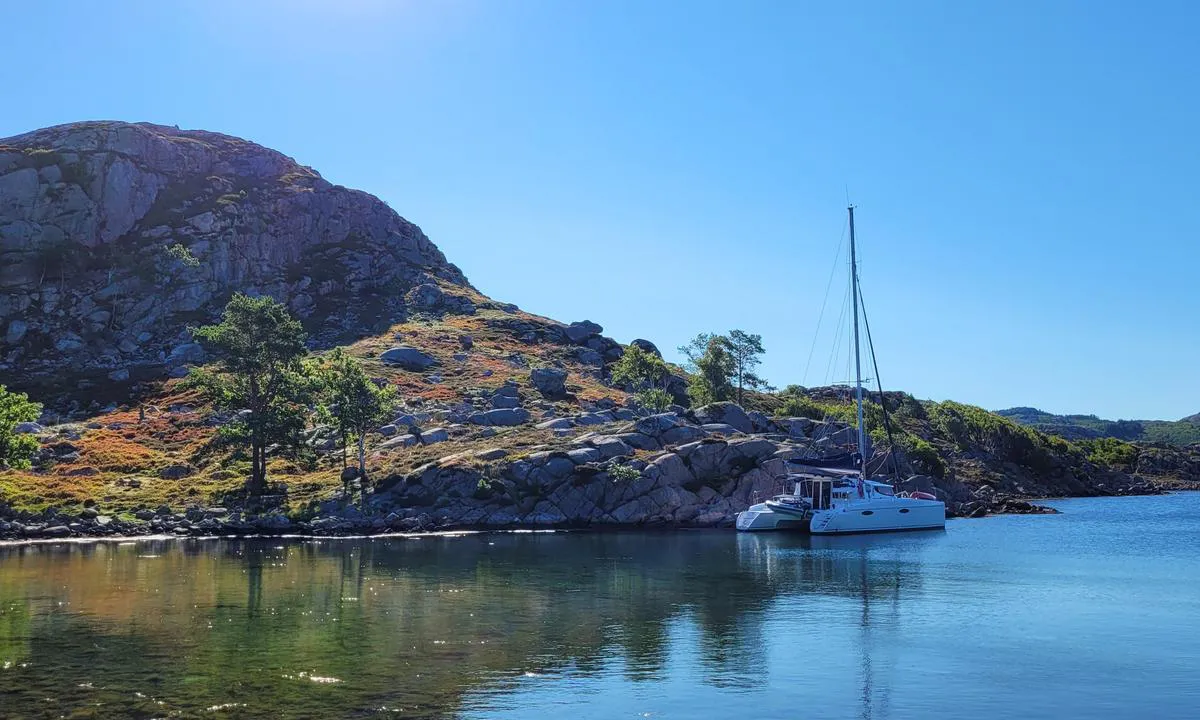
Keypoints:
pixel 900 515
pixel 912 515
pixel 761 518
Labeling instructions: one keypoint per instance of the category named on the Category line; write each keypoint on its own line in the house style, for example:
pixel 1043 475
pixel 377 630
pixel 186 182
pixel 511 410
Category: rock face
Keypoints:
pixel 114 237
pixel 596 481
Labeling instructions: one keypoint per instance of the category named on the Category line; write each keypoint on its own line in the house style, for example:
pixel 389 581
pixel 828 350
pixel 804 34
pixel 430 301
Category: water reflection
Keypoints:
pixel 347 628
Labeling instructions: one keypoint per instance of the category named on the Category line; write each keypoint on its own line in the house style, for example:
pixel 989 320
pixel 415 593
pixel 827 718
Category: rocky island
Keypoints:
pixel 118 240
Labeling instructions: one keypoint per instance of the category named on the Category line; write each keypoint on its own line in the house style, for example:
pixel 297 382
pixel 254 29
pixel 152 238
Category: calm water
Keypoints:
pixel 1092 613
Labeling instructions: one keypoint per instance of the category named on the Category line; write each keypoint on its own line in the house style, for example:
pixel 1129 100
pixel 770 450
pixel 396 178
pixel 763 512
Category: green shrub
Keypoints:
pixel 655 399
pixel 926 457
pixel 1110 452
pixel 182 255
pixel 800 406
pixel 623 473
pixel 15 408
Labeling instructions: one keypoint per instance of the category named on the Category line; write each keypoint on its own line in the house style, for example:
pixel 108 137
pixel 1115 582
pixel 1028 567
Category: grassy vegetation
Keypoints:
pixel 119 463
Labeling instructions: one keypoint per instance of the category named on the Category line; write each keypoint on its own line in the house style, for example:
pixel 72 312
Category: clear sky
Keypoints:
pixel 1025 172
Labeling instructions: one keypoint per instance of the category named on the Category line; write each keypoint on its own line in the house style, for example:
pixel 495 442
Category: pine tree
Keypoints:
pixel 259 348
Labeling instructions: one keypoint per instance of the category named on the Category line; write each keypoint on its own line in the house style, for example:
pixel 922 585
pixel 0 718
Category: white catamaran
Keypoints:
pixel 827 501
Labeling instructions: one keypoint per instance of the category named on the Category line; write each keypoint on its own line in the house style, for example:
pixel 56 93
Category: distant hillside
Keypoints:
pixel 1090 427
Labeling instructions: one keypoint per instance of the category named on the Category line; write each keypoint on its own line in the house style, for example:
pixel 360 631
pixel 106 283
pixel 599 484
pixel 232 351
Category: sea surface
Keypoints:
pixel 1094 613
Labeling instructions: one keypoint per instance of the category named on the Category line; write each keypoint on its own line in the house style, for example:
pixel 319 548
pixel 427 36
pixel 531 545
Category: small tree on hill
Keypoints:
pixel 355 402
pixel 15 407
pixel 722 366
pixel 259 348
pixel 746 350
pixel 647 374
pixel 695 349
pixel 711 381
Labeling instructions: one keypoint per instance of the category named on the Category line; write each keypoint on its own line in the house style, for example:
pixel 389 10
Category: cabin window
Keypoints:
pixel 903 510
pixel 885 490
pixel 868 512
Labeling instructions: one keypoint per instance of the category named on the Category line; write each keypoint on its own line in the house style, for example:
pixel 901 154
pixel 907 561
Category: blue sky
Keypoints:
pixel 1025 172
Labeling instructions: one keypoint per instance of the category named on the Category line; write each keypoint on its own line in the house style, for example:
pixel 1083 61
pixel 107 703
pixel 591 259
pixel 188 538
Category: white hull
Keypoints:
pixel 883 516
pixel 875 513
pixel 760 517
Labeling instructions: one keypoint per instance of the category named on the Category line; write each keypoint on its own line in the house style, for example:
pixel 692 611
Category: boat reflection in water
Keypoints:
pixel 851 589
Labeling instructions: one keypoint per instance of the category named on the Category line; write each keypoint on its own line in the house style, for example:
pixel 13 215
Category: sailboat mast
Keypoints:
pixel 862 433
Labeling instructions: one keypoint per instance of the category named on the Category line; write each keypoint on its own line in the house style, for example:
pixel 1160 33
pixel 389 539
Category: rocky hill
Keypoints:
pixel 1085 427
pixel 115 238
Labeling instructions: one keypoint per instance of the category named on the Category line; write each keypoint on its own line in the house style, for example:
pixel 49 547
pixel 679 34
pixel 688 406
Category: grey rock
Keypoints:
pixel 672 470
pixel 57 531
pixel 681 434
pixel 408 358
pixel 16 331
pixel 176 472
pixel 425 297
pixel 405 440
pixel 610 447
pixel 655 425
pixel 187 353
pixel 550 382
pixel 727 413
pixel 593 419
pixel 647 346
pixel 491 454
pixel 508 389
pixel 638 440
pixel 504 401
pixel 387 430
pixel 119 375
pixel 795 427
pixel 435 435
pixel 556 424
pixel 68 343
pixel 722 428
pixel 500 416
pixel 584 455
pixel 760 422
pixel 27 428
pixel 578 332
pixel 559 466
pixel 588 356
pixel 753 448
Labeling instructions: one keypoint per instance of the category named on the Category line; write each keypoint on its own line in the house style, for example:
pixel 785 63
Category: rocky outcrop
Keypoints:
pixel 115 237
pixel 550 382
pixel 597 481
pixel 408 358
